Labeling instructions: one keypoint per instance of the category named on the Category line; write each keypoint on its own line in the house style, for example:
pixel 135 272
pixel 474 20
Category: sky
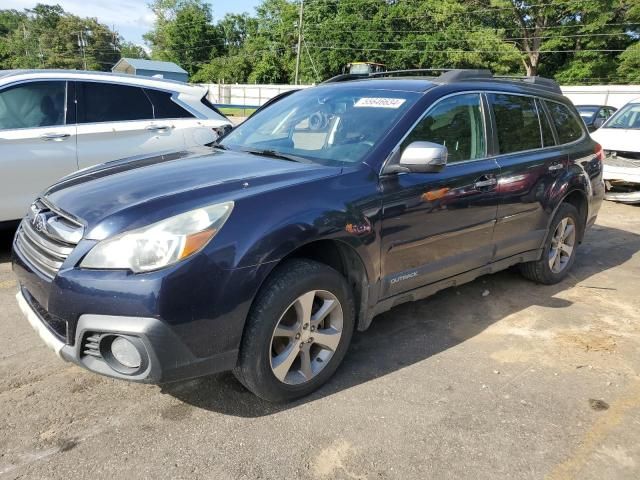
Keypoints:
pixel 131 18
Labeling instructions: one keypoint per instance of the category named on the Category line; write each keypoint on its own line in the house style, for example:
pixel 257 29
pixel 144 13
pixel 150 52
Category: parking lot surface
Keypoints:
pixel 499 378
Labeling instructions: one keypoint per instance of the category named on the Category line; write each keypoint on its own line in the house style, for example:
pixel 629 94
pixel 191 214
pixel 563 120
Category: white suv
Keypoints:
pixel 55 122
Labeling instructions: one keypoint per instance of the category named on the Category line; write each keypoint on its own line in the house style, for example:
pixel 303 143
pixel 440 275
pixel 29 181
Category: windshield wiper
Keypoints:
pixel 219 146
pixel 275 154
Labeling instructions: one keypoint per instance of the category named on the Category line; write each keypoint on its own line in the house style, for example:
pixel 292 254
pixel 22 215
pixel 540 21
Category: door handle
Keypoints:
pixel 556 166
pixel 158 128
pixel 485 183
pixel 55 137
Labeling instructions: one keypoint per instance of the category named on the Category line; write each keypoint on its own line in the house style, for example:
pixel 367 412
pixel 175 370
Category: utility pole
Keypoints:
pixel 299 41
pixel 82 44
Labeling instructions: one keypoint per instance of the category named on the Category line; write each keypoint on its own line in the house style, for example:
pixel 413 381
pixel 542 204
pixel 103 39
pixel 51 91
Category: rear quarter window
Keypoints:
pixel 567 124
pixel 164 106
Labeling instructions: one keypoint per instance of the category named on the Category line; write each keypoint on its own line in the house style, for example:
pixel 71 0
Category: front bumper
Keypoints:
pixel 165 357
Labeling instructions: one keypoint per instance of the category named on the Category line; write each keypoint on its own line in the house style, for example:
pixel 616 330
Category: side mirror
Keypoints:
pixel 598 123
pixel 424 157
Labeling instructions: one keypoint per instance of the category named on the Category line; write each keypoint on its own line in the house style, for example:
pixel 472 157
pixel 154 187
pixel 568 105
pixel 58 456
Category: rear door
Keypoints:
pixel 117 121
pixel 195 131
pixel 437 225
pixel 37 142
pixel 530 164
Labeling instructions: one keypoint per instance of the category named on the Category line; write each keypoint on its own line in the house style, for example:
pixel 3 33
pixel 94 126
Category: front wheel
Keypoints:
pixel 298 331
pixel 559 251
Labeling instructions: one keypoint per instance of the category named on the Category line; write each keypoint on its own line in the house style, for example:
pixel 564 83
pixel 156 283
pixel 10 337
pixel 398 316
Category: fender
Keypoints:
pixel 572 181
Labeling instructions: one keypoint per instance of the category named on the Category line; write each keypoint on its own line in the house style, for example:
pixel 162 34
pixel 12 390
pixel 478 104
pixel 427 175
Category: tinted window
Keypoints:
pixel 164 106
pixel 547 132
pixel 457 124
pixel 517 122
pixel 567 125
pixel 31 105
pixel 103 102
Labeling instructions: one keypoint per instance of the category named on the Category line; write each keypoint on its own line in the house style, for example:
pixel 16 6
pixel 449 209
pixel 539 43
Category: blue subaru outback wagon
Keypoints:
pixel 263 253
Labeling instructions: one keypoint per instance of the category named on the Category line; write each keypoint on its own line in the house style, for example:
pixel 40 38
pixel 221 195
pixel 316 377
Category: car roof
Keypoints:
pixel 7 76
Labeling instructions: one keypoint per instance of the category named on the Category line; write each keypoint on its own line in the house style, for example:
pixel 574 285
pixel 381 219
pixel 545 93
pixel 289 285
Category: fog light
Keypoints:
pixel 125 352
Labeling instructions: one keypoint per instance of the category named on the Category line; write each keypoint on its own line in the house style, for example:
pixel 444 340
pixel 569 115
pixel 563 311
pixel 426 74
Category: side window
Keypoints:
pixel 603 113
pixel 517 122
pixel 164 106
pixel 32 105
pixel 567 125
pixel 456 123
pixel 547 132
pixel 104 102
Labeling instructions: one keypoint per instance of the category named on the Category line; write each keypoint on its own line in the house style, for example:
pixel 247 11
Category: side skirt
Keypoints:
pixel 428 290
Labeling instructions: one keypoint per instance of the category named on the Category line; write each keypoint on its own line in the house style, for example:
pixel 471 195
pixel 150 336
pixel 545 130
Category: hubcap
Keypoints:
pixel 306 337
pixel 562 245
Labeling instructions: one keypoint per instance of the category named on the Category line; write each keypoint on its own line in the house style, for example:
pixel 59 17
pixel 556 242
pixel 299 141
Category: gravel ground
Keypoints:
pixel 500 378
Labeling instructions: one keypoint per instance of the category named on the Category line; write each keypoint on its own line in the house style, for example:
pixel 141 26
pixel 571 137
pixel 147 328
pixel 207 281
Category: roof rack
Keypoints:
pixel 448 75
pixel 545 83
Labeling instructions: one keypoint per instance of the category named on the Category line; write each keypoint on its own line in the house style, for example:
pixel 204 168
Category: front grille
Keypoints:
pixel 56 324
pixel 91 345
pixel 45 238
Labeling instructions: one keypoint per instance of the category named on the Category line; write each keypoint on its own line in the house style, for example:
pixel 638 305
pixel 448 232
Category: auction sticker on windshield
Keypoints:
pixel 378 102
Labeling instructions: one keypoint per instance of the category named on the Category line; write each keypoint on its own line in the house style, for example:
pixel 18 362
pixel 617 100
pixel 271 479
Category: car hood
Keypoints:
pixel 116 196
pixel 618 139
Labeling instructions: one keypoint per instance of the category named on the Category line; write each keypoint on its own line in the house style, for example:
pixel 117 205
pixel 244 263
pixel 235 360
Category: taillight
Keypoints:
pixel 599 152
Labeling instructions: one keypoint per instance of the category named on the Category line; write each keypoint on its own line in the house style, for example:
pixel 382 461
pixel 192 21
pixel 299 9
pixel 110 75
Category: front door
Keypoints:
pixel 437 225
pixel 37 142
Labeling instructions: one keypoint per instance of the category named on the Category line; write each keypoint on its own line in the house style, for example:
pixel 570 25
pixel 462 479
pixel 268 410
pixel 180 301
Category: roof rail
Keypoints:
pixel 455 75
pixel 390 73
pixel 545 83
pixel 345 77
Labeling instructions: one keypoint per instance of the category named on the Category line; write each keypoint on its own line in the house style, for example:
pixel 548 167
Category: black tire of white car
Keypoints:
pixel 541 271
pixel 280 299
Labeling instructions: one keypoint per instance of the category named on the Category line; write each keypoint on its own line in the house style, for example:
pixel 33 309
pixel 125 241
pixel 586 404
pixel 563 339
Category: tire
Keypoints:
pixel 286 363
pixel 555 263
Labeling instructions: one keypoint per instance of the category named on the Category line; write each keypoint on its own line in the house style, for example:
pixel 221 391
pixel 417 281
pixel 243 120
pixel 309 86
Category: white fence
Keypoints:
pixel 245 95
pixel 611 95
pixel 255 95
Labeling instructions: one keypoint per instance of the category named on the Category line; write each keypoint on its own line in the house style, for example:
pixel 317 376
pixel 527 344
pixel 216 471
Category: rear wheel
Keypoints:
pixel 559 251
pixel 298 331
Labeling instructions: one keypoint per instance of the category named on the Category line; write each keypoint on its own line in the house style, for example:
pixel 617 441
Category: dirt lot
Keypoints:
pixel 525 381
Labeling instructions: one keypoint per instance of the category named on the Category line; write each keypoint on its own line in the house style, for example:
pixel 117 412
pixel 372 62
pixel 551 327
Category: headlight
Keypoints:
pixel 159 244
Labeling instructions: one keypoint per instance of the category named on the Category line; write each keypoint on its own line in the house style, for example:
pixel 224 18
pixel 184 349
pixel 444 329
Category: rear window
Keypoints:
pixel 567 125
pixel 517 122
pixel 211 106
pixel 164 106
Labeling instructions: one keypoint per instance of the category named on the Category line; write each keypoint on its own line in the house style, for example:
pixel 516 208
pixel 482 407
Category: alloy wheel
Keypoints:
pixel 306 337
pixel 562 245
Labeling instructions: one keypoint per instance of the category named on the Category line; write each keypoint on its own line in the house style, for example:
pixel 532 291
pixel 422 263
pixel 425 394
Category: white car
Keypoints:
pixel 54 122
pixel 620 139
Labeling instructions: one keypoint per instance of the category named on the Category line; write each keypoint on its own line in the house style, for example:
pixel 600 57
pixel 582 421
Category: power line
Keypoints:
pixel 324 47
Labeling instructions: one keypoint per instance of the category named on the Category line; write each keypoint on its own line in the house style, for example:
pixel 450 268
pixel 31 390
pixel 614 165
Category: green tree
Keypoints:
pixel 131 50
pixel 48 37
pixel 183 33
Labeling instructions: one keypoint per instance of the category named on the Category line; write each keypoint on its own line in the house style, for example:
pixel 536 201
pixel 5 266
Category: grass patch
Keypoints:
pixel 237 112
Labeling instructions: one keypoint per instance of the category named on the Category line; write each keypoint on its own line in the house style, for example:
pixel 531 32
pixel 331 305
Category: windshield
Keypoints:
pixel 627 117
pixel 332 126
pixel 587 112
